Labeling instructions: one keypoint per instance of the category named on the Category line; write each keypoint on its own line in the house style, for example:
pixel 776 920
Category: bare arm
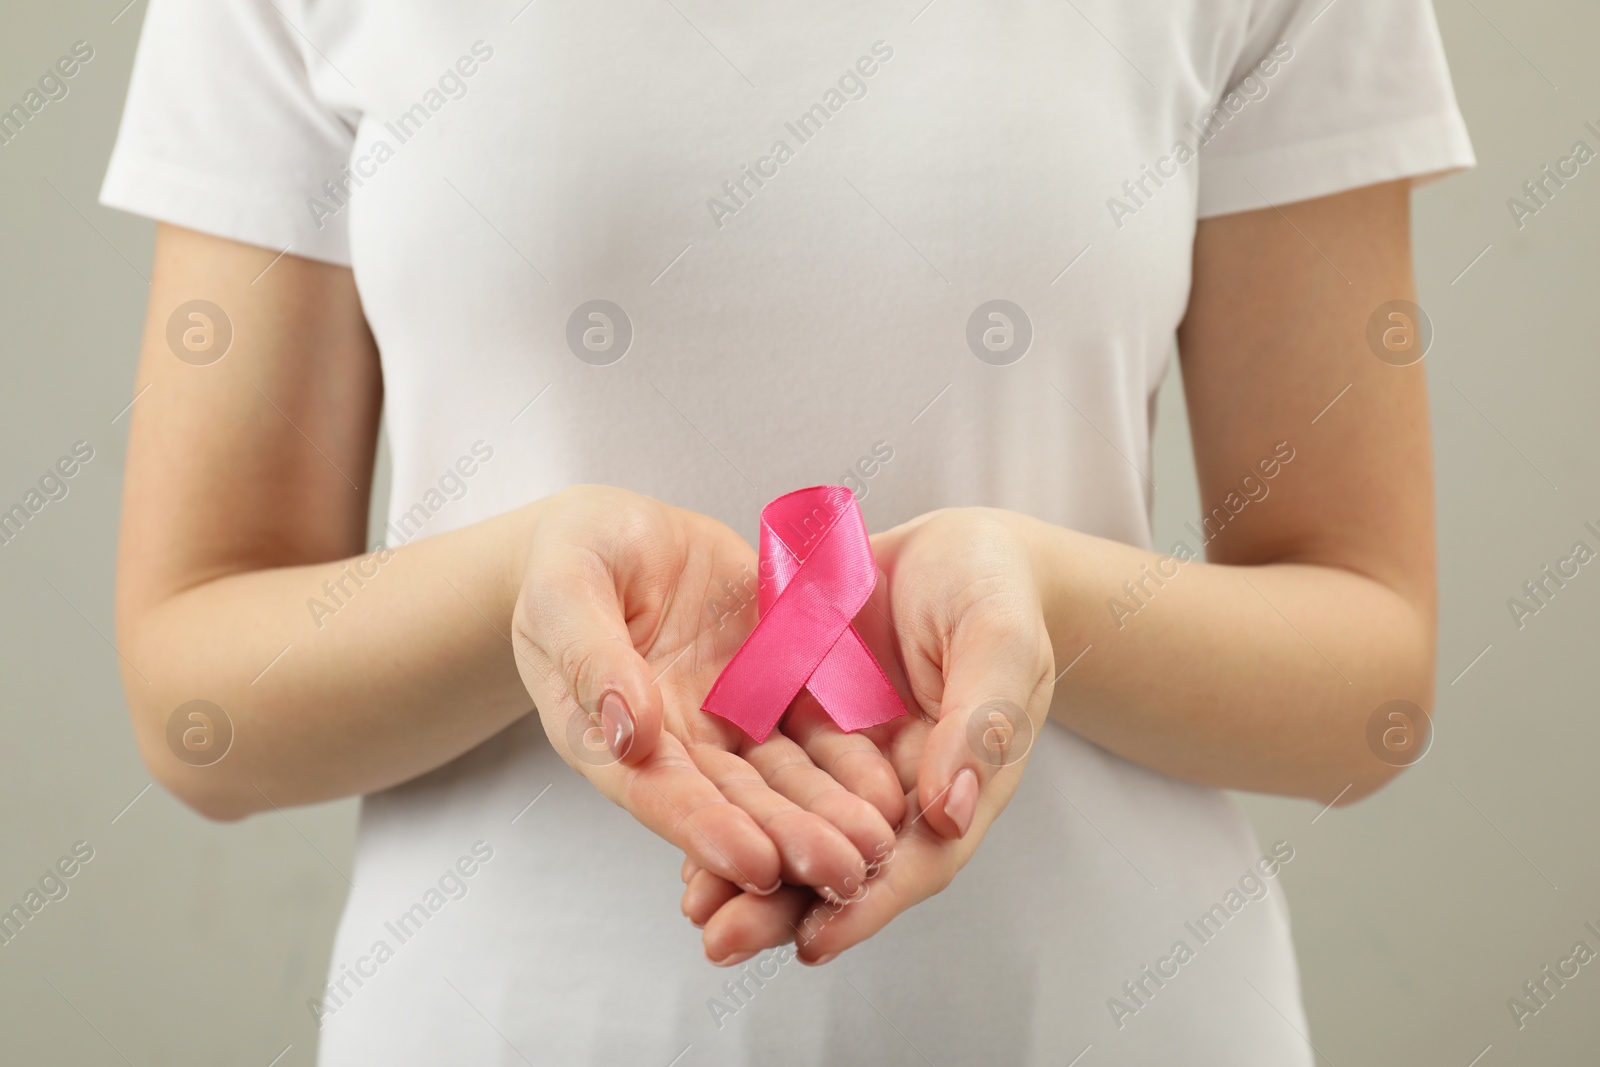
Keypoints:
pixel 247 489
pixel 246 498
pixel 1259 668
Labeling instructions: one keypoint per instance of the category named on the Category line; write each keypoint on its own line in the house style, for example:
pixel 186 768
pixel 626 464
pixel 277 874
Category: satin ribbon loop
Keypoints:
pixel 816 573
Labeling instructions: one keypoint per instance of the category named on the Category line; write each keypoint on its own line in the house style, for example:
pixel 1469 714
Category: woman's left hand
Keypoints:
pixel 958 625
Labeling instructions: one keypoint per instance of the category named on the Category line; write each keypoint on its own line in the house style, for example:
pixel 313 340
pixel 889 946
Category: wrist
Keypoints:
pixel 516 537
pixel 1040 541
pixel 1060 559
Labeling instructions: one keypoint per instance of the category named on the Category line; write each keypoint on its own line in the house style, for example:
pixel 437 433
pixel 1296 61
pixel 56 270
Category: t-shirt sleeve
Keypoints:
pixel 1330 95
pixel 222 131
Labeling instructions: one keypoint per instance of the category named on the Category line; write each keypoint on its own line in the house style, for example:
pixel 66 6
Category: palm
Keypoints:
pixel 633 597
pixel 688 617
pixel 956 624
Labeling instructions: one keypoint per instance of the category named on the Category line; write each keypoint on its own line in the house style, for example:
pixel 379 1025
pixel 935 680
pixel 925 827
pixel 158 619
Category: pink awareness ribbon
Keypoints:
pixel 816 573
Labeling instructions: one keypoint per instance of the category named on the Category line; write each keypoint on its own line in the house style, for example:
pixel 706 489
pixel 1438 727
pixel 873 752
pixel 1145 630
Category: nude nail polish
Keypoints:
pixel 961 803
pixel 617 723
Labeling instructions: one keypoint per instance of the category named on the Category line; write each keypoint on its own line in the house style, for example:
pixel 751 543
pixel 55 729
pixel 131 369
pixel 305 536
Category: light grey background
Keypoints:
pixel 1417 913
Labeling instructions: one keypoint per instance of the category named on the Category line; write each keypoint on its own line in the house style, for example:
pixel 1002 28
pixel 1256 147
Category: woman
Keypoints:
pixel 620 273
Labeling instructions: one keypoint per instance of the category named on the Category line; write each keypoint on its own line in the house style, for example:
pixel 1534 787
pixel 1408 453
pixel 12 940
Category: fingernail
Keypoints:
pixel 617 723
pixel 733 960
pixel 820 960
pixel 961 804
pixel 748 888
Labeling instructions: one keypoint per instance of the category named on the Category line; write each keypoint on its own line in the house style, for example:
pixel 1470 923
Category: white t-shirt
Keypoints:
pixel 938 255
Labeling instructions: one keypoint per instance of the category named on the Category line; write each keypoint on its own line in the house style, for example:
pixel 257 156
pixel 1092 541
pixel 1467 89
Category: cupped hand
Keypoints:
pixel 959 627
pixel 629 609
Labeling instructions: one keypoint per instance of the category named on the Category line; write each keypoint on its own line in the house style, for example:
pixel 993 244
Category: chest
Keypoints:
pixel 776 166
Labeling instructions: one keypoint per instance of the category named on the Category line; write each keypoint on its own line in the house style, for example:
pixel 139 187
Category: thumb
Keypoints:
pixel 594 691
pixel 997 684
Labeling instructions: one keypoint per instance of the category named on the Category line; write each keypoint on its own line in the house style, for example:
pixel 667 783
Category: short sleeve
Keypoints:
pixel 222 132
pixel 1330 95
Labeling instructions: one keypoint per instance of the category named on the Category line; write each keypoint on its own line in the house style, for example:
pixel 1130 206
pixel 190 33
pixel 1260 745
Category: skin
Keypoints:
pixel 1258 669
pixel 614 601
pixel 227 534
pixel 1255 670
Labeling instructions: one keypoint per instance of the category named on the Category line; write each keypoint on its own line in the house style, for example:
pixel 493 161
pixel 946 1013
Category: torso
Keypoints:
pixel 812 327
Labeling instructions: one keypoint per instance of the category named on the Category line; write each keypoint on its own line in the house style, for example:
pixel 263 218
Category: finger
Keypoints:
pixel 705 893
pixel 813 850
pixel 922 864
pixel 749 924
pixel 996 691
pixel 851 760
pixel 671 796
pixel 785 767
pixel 689 869
pixel 577 656
pixel 903 746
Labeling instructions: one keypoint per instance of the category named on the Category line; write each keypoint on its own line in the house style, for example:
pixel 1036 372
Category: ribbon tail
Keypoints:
pixel 852 688
pixel 747 700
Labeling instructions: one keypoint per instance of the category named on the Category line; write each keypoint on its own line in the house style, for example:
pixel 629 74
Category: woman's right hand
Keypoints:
pixel 628 611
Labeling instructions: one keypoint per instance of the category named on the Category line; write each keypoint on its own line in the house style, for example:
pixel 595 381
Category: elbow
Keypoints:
pixel 186 749
pixel 1398 735
pixel 186 744
pixel 1367 781
pixel 212 810
pixel 208 791
pixel 1396 732
pixel 211 805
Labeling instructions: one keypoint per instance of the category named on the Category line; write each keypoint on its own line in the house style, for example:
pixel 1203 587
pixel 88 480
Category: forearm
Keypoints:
pixel 338 678
pixel 1259 678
